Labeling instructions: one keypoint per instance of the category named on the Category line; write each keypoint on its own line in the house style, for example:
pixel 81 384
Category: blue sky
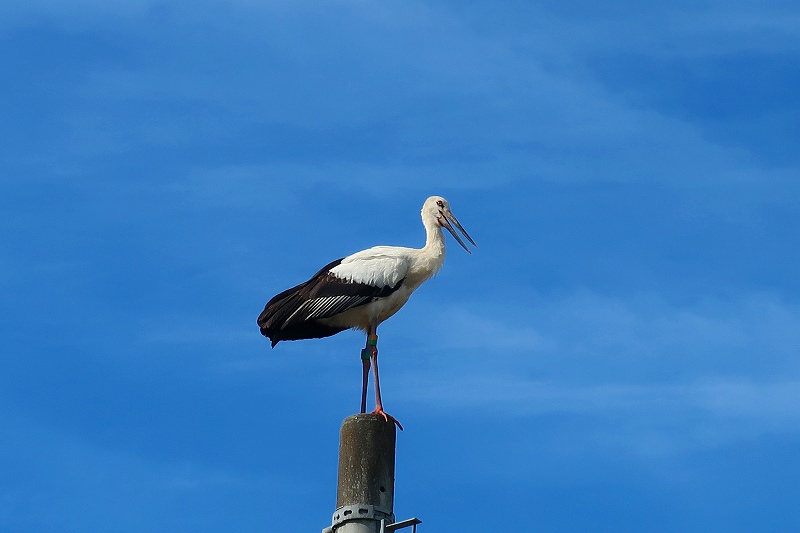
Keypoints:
pixel 620 354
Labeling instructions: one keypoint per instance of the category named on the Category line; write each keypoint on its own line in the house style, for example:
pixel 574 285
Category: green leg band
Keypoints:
pixel 366 353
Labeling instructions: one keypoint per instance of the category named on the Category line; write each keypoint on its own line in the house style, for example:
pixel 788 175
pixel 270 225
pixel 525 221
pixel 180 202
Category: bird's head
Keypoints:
pixel 438 209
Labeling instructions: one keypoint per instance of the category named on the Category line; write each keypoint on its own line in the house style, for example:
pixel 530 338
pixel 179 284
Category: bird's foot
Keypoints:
pixel 386 416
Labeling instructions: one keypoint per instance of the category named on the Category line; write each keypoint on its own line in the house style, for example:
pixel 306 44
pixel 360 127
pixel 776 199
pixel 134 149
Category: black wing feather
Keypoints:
pixel 294 313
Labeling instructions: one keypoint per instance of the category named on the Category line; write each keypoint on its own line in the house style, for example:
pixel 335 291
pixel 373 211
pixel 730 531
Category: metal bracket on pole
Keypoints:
pixel 361 512
pixel 400 525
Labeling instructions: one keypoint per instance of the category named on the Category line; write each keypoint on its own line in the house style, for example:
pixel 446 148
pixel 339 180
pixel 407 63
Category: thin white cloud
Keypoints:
pixel 700 375
pixel 472 109
pixel 640 327
pixel 236 185
pixel 72 16
pixel 108 486
pixel 771 402
pixel 647 419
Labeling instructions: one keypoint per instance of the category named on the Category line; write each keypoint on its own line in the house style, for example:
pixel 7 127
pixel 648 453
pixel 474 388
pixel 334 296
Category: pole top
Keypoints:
pixel 366 462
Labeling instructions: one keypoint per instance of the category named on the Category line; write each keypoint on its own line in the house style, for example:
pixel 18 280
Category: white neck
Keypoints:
pixel 430 257
pixel 434 238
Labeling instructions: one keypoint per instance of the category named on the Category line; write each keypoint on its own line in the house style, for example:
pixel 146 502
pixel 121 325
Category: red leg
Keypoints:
pixel 378 404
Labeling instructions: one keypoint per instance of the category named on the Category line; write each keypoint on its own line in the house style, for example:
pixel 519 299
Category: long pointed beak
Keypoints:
pixel 449 217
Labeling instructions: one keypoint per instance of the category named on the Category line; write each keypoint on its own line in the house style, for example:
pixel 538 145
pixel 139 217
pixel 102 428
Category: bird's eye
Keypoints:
pixel 440 203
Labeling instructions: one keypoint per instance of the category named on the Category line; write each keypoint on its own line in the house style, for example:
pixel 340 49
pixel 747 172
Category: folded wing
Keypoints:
pixel 295 313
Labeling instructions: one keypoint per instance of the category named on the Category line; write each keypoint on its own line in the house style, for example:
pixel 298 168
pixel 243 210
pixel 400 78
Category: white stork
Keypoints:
pixel 361 291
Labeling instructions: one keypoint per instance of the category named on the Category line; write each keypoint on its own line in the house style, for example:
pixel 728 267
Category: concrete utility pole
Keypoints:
pixel 365 492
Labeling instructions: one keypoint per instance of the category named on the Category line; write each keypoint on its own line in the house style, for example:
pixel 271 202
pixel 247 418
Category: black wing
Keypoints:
pixel 294 313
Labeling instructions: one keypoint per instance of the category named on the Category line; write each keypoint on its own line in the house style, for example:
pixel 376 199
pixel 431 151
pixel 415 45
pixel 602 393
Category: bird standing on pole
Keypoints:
pixel 362 290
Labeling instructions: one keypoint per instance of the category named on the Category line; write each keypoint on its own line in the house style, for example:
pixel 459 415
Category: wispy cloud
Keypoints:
pixel 647 419
pixel 106 484
pixel 645 368
pixel 75 16
pixel 755 329
pixel 442 122
pixel 769 403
